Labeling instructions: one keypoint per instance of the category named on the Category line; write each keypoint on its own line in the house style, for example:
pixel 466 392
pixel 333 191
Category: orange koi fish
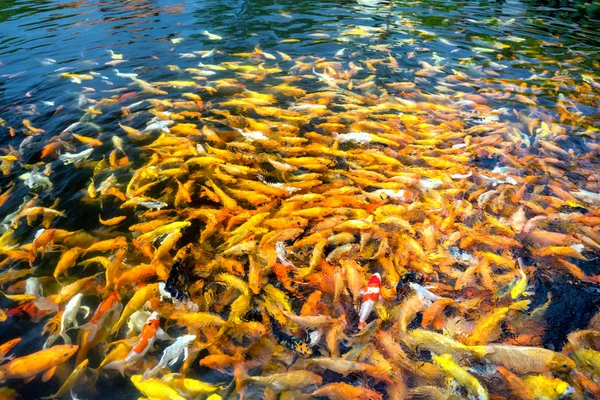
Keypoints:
pixel 27 367
pixel 111 305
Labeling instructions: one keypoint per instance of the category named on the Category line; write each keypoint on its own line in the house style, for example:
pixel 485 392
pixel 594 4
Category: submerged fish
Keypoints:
pixel 74 158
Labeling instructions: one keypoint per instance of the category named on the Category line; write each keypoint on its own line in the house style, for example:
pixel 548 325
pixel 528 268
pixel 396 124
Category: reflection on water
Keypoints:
pixel 399 194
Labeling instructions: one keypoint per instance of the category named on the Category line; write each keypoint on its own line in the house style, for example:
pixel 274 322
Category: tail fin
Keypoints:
pixel 45 304
pixel 65 337
pixel 91 329
pixel 229 389
pixel 95 375
pixel 522 305
pixel 50 341
pixel 240 376
pixel 117 365
pixel 150 373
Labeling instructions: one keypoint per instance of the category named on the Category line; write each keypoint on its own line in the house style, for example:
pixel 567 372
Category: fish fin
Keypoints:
pixel 48 374
pixel 50 341
pixel 29 379
pixel 45 304
pixel 479 351
pixel 117 365
pixel 522 305
pixel 90 327
pixel 65 337
pixel 162 335
pixel 87 311
pixel 95 375
pixel 293 361
pixel 148 374
pixel 73 396
pixel 240 377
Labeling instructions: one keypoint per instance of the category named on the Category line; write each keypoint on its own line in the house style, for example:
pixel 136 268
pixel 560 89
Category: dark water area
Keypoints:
pixel 526 72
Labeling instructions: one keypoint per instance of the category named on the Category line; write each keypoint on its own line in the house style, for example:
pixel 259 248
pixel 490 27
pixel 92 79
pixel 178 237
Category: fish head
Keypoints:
pixel 561 363
pixel 153 317
pixel 375 280
pixel 152 324
pixel 76 299
pixel 63 352
pixel 564 389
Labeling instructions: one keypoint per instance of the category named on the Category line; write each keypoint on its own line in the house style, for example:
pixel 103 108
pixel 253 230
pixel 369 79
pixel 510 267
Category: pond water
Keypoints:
pixel 339 199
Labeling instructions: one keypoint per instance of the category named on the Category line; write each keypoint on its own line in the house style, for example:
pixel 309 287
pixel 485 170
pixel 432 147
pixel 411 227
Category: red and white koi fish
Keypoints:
pixel 150 332
pixel 369 296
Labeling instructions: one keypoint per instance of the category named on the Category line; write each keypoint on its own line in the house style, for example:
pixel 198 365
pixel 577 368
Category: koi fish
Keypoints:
pixel 448 365
pixel 172 354
pixel 150 332
pixel 370 295
pixel 46 361
pixel 68 318
pixel 302 347
pixel 212 36
pixel 178 283
pixel 108 310
pixel 75 158
pixel 342 390
pixel 155 388
pixel 36 180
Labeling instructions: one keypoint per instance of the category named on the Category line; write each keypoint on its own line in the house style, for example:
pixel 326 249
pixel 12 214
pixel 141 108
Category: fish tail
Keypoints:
pixel 522 305
pixel 92 330
pixel 95 375
pixel 275 328
pixel 50 341
pixel 149 374
pixel 65 337
pixel 117 327
pixel 45 304
pixel 117 365
pixel 240 376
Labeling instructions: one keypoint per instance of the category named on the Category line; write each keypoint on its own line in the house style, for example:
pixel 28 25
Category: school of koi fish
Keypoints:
pixel 335 235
